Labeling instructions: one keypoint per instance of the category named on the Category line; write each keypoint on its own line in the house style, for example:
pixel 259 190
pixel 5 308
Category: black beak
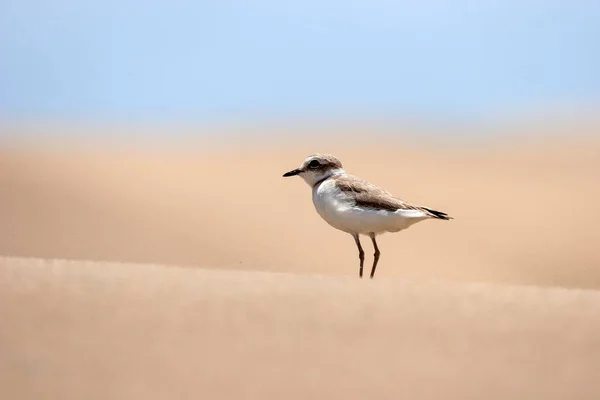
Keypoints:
pixel 292 173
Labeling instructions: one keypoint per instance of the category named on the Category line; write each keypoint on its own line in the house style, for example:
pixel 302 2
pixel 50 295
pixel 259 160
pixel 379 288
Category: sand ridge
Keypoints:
pixel 76 329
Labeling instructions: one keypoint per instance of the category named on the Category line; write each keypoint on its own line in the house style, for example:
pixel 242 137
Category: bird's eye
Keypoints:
pixel 314 164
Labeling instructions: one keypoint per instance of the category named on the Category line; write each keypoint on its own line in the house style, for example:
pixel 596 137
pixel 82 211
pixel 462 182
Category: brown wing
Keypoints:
pixel 371 196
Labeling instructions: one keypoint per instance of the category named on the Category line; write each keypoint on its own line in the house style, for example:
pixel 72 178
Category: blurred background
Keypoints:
pixel 158 132
pixel 185 61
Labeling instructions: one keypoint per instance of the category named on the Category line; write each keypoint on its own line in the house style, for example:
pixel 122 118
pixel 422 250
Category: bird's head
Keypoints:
pixel 316 168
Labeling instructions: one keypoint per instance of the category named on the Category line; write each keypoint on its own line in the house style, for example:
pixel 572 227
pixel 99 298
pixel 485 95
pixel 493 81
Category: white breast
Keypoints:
pixel 338 210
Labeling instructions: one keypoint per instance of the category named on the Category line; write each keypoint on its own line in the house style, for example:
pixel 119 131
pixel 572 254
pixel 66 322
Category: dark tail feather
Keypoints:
pixel 437 214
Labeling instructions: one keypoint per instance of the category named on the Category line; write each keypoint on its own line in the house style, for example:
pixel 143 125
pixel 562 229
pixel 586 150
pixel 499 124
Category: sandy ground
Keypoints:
pixel 74 330
pixel 262 299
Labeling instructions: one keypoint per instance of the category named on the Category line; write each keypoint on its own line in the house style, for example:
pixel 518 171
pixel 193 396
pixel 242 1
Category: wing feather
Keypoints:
pixel 369 195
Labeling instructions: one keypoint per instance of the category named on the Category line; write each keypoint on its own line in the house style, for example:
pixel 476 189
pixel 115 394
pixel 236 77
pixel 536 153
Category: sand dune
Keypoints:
pixel 73 330
pixel 525 211
pixel 264 300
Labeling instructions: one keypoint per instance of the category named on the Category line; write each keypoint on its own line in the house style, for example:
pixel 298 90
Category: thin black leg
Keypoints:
pixel 361 255
pixel 376 255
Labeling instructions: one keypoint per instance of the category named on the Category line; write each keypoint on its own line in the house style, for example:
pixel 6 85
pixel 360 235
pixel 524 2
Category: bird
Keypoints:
pixel 356 206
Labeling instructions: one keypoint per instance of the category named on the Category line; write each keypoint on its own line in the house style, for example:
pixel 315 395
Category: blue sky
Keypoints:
pixel 199 60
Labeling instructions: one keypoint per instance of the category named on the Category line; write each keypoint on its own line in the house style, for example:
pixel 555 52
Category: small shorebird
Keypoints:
pixel 355 206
